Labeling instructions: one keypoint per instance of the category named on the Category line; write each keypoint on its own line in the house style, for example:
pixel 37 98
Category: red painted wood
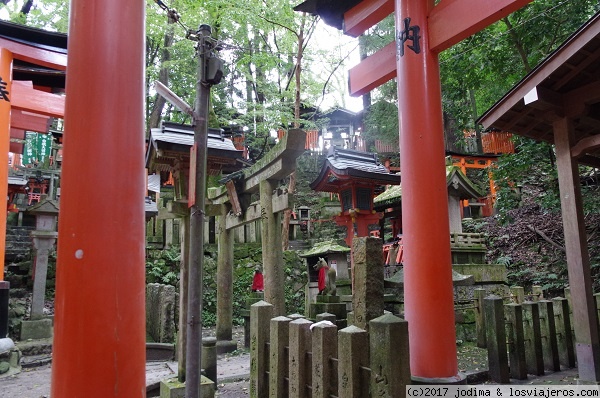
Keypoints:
pixel 428 291
pixel 366 14
pixel 26 98
pixel 28 121
pixel 6 61
pixel 99 327
pixel 36 56
pixel 373 71
pixel 448 24
pixel 453 21
pixel 16 147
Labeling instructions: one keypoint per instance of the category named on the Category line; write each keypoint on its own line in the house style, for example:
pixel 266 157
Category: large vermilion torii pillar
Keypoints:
pixel 423 29
pixel 99 327
pixel 6 61
pixel 428 291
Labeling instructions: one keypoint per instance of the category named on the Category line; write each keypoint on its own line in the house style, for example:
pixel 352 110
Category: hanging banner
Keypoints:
pixel 37 148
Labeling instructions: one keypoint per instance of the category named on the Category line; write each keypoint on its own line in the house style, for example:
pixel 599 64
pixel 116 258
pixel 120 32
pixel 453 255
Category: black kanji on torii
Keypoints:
pixel 409 33
pixel 3 91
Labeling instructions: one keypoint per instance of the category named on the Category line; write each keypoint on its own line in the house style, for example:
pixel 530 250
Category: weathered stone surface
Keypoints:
pixel 493 309
pixel 533 339
pixel 278 364
pixel 390 359
pixel 209 358
pixel 38 329
pixel 482 272
pixel 299 346
pixel 517 294
pixel 564 333
pixel 160 312
pixel 353 352
pixel 548 333
pixel 516 341
pixel 4 367
pixel 324 347
pixel 367 301
pixel 260 317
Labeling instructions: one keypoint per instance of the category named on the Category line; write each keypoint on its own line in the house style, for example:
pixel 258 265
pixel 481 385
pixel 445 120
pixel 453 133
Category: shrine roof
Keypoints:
pixel 39 39
pixel 565 84
pixel 178 138
pixel 331 11
pixel 342 165
pixel 457 183
pixel 323 248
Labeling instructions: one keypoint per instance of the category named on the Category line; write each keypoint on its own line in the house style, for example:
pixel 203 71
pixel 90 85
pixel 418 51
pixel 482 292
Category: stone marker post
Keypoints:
pixel 209 358
pixel 260 317
pixel 480 319
pixel 564 333
pixel 516 341
pixel 390 356
pixel 278 363
pixel 517 294
pixel 493 309
pixel 533 339
pixel 353 352
pixel 324 348
pixel 44 237
pixel 299 345
pixel 548 332
pixel 367 300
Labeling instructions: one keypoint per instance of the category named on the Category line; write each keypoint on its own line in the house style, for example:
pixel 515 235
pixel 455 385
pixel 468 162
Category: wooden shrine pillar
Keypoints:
pixel 6 60
pixel 585 317
pixel 99 327
pixel 428 293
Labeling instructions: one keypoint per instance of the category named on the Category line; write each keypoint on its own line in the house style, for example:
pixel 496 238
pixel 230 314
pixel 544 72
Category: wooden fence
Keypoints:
pixel 524 337
pixel 294 357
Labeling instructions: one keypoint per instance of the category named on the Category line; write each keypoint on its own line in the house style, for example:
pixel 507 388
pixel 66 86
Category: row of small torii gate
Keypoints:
pixel 99 343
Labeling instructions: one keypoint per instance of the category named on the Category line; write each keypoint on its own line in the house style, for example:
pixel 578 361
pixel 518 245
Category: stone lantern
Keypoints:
pixel 44 237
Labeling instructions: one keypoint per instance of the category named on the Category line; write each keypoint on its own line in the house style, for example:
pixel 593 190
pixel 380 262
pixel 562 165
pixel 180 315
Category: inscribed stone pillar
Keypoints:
pixel 389 356
pixel 353 352
pixel 224 280
pixel 278 363
pixel 564 332
pixel 548 331
pixel 516 341
pixel 533 339
pixel 260 318
pixel 367 301
pixel 300 344
pixel 272 252
pixel 493 309
pixel 324 348
pixel 480 319
pixel 42 243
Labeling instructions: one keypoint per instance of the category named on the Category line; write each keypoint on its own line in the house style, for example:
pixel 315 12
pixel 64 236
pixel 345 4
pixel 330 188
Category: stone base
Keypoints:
pixel 160 351
pixel 38 329
pixel 460 378
pixel 338 309
pixel 10 358
pixel 172 388
pixel 226 346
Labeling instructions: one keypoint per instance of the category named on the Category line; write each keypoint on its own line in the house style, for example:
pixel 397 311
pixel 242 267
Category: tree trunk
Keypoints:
pixel 163 77
pixel 518 44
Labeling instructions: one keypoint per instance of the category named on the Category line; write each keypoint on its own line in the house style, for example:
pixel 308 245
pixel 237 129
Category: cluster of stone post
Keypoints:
pixel 524 337
pixel 298 358
pixel 294 357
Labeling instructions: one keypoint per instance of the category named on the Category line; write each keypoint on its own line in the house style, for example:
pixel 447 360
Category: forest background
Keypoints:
pixel 282 67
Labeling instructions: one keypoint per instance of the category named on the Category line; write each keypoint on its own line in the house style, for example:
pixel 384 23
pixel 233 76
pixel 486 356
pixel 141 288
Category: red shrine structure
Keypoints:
pixel 355 176
pixel 423 30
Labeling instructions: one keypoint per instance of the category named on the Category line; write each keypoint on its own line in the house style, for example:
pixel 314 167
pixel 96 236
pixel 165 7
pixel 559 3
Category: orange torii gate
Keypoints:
pixel 423 30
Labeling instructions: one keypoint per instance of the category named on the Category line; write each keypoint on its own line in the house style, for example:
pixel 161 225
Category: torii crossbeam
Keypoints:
pixel 422 31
